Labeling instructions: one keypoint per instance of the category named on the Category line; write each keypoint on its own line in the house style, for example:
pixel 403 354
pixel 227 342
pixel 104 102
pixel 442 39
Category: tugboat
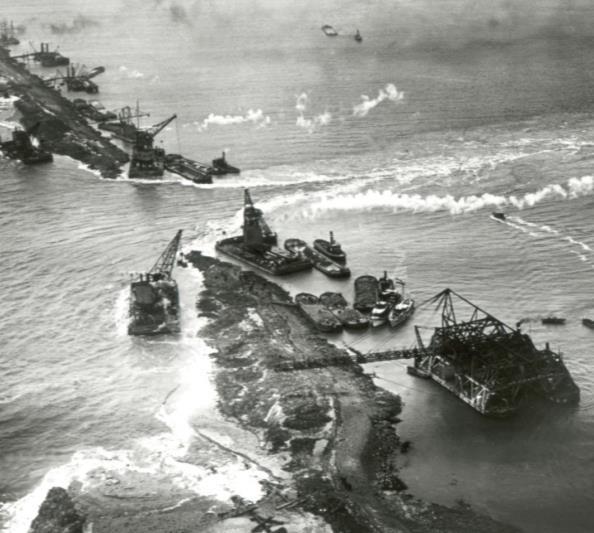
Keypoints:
pixel 366 293
pixel 148 161
pixel 320 262
pixel 154 297
pixel 403 310
pixel 330 249
pixel 321 317
pixel 21 148
pixel 358 37
pixel 338 306
pixel 220 166
pixel 257 246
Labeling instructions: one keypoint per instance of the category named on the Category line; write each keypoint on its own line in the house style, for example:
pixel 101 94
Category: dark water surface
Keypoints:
pixel 495 115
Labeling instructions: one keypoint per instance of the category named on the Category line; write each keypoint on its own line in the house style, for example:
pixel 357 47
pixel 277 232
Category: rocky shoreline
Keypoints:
pixel 61 129
pixel 312 407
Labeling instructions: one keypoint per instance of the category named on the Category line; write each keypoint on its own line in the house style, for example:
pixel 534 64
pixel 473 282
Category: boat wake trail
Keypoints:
pixel 584 251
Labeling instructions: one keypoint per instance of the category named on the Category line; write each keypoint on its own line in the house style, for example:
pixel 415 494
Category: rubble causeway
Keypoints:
pixel 59 126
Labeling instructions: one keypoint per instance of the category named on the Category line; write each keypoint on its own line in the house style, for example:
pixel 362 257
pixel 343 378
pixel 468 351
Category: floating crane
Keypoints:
pixel 486 363
pixel 154 296
pixel 47 57
pixel 77 78
pixel 148 161
pixel 166 262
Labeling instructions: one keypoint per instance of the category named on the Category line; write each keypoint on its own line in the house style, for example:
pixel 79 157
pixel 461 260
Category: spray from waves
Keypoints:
pixel 256 117
pixel 390 93
pixel 159 463
pixel 128 73
pixel 372 199
pixel 310 124
pixel 121 312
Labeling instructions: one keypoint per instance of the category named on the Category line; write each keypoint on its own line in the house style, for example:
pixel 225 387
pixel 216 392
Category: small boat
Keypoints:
pixel 554 320
pixel 321 317
pixel 358 37
pixel 498 215
pixel 220 166
pixel 330 249
pixel 188 168
pixel 366 293
pixel 382 309
pixel 329 31
pixel 338 306
pixel 588 322
pixel 403 310
pixel 320 262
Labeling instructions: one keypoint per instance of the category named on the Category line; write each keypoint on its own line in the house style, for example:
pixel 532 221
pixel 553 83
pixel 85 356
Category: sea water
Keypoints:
pixel 402 145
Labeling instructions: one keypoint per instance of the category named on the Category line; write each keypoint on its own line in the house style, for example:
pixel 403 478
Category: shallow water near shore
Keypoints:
pixel 408 188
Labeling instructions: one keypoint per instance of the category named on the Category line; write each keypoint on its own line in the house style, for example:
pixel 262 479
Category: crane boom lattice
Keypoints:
pixel 166 261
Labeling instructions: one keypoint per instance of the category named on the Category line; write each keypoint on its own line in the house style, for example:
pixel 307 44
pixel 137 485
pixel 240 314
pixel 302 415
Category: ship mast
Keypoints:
pixel 166 261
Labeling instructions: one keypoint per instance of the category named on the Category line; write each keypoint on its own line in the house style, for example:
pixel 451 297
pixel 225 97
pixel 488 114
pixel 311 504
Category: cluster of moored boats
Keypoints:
pixel 383 299
pixel 377 302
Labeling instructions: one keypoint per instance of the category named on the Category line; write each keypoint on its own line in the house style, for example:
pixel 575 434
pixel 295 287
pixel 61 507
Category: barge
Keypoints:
pixel 317 314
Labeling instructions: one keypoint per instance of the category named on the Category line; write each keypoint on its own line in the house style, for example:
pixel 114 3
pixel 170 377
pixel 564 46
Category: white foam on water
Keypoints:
pixel 388 199
pixel 121 312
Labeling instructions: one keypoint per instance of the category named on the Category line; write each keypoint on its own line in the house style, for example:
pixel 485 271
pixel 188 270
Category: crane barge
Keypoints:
pixel 154 296
pixel 148 160
pixel 484 362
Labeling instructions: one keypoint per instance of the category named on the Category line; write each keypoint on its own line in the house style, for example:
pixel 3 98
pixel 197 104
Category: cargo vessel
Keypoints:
pixel 154 296
pixel 257 246
pixel 320 262
pixel 317 314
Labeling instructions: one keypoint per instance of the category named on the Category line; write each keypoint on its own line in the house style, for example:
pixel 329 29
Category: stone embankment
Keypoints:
pixel 58 125
pixel 312 408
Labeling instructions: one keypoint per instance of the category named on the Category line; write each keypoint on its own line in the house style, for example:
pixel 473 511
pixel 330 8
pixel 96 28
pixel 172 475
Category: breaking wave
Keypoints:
pixel 390 93
pixel 256 117
pixel 310 124
pixel 373 199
